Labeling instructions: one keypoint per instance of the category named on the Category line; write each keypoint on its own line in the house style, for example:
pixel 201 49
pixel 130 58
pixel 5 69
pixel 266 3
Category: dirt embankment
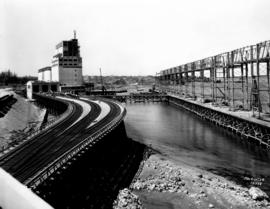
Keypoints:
pixel 166 184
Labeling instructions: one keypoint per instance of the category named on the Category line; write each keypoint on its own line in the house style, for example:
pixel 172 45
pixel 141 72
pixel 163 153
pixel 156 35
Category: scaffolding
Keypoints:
pixel 238 79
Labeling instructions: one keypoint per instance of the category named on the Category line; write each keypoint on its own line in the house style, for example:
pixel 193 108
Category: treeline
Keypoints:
pixel 9 78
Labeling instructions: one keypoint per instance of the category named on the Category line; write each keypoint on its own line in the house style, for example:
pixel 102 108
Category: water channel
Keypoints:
pixel 184 137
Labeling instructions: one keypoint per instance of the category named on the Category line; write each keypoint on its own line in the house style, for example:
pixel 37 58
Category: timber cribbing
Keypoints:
pixel 245 127
pixel 136 97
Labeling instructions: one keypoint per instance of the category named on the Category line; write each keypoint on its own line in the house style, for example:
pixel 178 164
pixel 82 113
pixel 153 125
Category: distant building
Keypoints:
pixel 45 74
pixel 67 64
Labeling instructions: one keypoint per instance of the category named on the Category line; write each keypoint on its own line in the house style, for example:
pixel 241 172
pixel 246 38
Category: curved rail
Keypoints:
pixel 87 142
pixel 21 141
pixel 18 161
pixel 43 153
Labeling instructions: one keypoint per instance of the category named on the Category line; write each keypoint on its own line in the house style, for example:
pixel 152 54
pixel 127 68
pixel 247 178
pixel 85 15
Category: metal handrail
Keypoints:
pixel 43 174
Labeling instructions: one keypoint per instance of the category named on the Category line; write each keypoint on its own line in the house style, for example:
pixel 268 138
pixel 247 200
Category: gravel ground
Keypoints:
pixel 164 183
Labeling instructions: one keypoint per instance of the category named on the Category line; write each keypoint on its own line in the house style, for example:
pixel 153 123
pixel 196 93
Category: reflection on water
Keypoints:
pixel 22 118
pixel 185 137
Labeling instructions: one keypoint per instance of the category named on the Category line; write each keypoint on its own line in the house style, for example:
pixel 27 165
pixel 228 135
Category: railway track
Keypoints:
pixel 27 160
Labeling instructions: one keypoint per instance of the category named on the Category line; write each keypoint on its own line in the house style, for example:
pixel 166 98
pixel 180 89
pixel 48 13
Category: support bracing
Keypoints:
pixel 239 78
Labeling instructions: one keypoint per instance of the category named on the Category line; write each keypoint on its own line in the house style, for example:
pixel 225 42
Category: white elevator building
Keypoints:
pixel 67 64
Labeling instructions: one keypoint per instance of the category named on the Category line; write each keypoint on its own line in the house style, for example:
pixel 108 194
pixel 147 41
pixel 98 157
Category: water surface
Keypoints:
pixel 185 137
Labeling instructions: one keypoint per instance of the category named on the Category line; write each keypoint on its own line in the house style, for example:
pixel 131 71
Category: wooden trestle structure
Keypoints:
pixel 239 79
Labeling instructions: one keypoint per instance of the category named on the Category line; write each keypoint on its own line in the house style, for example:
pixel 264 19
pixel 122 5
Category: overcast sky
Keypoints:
pixel 139 37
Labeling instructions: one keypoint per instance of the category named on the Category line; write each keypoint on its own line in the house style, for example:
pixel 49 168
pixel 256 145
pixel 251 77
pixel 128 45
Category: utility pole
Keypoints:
pixel 101 81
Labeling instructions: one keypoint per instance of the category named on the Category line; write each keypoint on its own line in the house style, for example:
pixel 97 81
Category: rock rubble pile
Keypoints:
pixel 194 187
pixel 165 182
pixel 127 200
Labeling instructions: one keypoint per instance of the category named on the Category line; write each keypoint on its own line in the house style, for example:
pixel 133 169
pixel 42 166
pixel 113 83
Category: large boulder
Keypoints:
pixel 257 194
